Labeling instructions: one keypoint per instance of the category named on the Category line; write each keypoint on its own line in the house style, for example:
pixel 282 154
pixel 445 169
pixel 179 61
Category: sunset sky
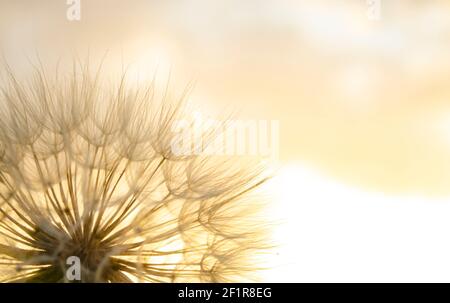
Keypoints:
pixel 363 106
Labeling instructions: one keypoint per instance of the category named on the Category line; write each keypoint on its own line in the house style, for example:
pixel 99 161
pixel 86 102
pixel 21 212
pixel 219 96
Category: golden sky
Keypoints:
pixel 365 102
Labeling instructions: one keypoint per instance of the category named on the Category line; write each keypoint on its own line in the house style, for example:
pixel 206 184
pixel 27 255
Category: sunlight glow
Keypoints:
pixel 330 232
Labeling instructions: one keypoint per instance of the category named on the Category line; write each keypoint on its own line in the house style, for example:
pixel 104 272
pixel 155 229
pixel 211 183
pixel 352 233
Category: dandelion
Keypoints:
pixel 86 170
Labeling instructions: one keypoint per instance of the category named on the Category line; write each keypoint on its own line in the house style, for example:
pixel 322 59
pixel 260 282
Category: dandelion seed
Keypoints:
pixel 88 172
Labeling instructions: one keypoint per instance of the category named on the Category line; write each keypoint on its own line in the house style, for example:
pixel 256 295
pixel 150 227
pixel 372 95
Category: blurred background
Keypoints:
pixel 363 105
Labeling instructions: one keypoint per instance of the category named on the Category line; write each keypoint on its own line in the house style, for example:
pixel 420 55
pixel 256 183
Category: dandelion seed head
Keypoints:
pixel 87 170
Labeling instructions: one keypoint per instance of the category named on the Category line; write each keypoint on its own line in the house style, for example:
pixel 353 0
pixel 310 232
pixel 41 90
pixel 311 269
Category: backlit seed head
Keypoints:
pixel 87 170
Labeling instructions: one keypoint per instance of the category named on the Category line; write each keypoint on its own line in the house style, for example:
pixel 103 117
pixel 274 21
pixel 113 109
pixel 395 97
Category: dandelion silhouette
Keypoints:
pixel 88 171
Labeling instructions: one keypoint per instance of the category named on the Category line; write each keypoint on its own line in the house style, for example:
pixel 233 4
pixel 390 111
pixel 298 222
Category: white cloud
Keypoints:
pixel 334 233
